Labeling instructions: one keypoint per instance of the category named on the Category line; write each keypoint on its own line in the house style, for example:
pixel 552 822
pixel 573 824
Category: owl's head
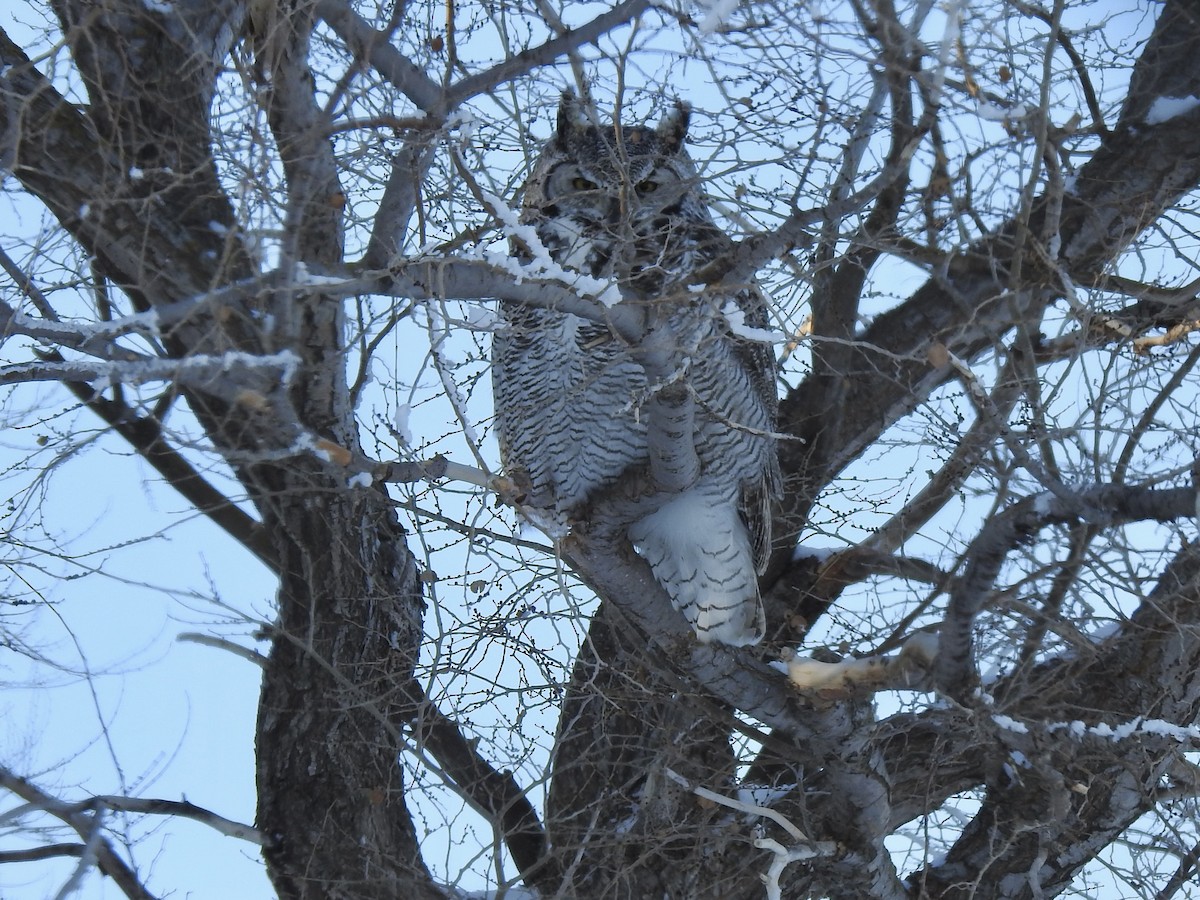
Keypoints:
pixel 618 199
pixel 612 169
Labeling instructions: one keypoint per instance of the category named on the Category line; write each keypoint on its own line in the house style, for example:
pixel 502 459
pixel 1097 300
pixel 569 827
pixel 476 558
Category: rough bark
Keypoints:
pixel 130 175
pixel 968 307
pixel 1038 828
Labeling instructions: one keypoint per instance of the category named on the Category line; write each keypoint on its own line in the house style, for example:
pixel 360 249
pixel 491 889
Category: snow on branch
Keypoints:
pixel 92 339
pixel 96 337
pixel 242 379
pixel 541 264
pixel 1138 727
pixel 1163 109
pixel 717 13
pixel 227 375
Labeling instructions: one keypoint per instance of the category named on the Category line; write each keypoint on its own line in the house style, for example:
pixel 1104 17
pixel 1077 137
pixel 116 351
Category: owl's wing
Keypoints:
pixel 758 404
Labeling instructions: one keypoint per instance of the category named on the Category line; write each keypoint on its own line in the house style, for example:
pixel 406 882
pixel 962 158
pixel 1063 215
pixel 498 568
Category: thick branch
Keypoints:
pixel 368 44
pixel 737 679
pixel 313 229
pixel 1090 781
pixel 1103 506
pixel 181 808
pixel 546 54
pixel 1138 172
pixel 36 854
pixel 426 93
pixel 145 435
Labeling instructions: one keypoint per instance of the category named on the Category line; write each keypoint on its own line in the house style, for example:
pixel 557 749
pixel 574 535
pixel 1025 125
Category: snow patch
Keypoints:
pixel 306 444
pixel 1010 724
pixel 1166 108
pixel 465 123
pixel 719 12
pixel 1043 503
pixel 990 112
pixel 361 480
pixel 402 429
pixel 1125 730
pixel 1121 731
pixel 762 795
pixel 480 318
pixel 820 554
pixel 735 317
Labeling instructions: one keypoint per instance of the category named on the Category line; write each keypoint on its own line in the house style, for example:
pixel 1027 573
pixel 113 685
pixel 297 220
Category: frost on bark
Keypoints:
pixel 1042 763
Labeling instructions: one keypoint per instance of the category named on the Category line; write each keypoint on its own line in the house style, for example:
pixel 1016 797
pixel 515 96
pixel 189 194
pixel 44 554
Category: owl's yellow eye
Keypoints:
pixel 649 186
pixel 582 184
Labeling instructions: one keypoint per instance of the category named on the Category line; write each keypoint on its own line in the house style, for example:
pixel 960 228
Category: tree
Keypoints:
pixel 234 222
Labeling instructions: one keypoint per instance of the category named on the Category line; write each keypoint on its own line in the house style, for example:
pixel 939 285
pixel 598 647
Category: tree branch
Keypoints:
pixel 968 305
pixel 1087 783
pixel 1105 505
pixel 85 824
pixel 494 793
pixel 36 854
pixel 146 437
pixel 733 677
pixel 181 808
pixel 368 44
pixel 545 54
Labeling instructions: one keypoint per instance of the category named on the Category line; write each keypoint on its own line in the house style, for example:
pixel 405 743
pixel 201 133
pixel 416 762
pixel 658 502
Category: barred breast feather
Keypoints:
pixel 625 205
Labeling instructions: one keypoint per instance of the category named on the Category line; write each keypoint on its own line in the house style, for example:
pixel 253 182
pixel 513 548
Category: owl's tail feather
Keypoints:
pixel 699 550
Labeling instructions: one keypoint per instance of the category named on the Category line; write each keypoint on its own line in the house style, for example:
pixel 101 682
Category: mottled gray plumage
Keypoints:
pixel 625 204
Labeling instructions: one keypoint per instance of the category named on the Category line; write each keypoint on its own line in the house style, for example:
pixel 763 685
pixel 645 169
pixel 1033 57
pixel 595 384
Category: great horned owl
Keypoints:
pixel 624 204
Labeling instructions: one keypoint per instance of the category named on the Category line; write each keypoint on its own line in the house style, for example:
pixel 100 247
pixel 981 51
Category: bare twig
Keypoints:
pixel 208 640
pixel 1102 505
pixel 84 824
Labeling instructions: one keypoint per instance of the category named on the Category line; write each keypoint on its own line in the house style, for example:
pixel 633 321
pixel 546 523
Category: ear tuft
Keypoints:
pixel 572 118
pixel 672 130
